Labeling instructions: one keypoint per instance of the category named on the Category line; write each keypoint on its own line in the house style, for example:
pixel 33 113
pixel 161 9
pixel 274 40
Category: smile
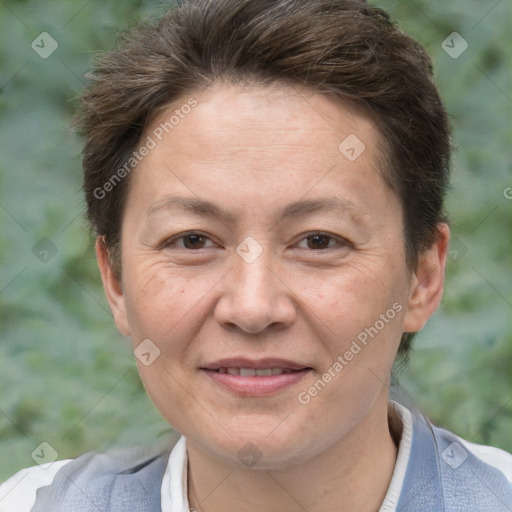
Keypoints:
pixel 255 378
pixel 251 372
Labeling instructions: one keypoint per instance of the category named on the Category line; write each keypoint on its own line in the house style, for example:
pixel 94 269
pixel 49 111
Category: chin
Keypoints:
pixel 261 447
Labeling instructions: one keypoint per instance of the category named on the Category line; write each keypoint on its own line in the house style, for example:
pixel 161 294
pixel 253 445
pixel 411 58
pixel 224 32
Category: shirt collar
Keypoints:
pixel 174 483
pixel 402 460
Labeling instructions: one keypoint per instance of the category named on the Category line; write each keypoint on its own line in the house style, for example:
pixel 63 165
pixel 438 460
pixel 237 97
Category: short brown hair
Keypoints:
pixel 344 48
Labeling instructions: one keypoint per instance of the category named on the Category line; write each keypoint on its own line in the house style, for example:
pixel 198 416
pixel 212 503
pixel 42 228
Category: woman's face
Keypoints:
pixel 259 234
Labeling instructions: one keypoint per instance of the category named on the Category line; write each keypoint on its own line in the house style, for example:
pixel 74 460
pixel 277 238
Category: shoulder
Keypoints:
pixel 455 451
pixel 446 472
pixel 99 475
pixel 18 493
pixel 476 476
pixel 495 457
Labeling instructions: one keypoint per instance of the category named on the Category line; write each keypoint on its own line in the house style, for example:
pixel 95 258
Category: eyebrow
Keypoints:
pixel 202 207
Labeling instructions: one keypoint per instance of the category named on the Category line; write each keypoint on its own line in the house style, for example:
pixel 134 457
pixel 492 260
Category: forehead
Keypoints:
pixel 258 143
pixel 302 127
pixel 229 116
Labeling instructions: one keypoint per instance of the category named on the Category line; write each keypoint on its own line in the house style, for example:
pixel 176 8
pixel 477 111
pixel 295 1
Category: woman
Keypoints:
pixel 266 183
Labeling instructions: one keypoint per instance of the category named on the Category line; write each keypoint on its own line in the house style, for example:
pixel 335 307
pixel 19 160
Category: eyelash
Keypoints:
pixel 341 242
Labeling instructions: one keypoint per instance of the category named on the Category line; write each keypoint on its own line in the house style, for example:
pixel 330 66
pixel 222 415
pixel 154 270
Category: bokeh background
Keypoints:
pixel 67 377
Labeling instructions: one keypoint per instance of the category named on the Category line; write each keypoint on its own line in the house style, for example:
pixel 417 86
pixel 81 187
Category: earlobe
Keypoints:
pixel 112 287
pixel 427 282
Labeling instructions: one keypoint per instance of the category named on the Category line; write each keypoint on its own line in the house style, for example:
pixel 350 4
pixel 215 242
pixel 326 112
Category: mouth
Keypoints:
pixel 255 378
pixel 252 372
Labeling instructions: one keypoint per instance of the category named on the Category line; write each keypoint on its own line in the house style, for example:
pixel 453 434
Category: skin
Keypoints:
pixel 251 151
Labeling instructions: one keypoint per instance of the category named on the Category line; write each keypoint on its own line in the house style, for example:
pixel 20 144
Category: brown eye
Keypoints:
pixel 190 241
pixel 318 241
pixel 195 241
pixel 321 241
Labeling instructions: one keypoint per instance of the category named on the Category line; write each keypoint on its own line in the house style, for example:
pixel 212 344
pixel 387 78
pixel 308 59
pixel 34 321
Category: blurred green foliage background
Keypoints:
pixel 67 377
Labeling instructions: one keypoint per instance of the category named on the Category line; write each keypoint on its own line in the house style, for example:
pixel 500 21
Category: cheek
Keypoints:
pixel 159 298
pixel 351 296
pixel 364 304
pixel 171 393
pixel 160 304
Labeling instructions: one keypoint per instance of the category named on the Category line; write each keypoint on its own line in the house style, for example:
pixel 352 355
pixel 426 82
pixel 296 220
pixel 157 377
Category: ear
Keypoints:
pixel 427 282
pixel 112 286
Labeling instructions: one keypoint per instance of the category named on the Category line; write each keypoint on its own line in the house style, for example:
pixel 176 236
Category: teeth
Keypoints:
pixel 251 372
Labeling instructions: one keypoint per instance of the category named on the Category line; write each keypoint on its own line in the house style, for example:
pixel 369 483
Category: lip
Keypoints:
pixel 257 386
pixel 256 364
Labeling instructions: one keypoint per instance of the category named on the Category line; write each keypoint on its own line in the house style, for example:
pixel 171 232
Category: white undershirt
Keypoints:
pixel 18 493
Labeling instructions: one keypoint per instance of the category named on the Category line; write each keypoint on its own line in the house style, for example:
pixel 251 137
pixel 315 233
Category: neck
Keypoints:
pixel 353 474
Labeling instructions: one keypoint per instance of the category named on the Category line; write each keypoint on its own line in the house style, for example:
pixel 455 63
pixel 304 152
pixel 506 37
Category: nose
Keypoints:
pixel 254 297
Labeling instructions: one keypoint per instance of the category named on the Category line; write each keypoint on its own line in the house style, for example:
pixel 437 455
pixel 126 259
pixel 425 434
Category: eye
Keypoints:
pixel 196 240
pixel 191 241
pixel 321 240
